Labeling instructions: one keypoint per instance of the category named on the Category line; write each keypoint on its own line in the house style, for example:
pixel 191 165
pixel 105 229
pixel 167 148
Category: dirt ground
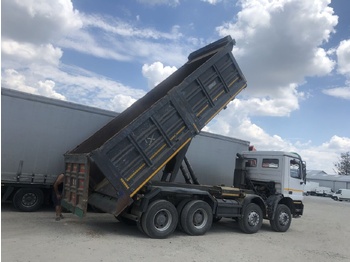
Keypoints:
pixel 322 234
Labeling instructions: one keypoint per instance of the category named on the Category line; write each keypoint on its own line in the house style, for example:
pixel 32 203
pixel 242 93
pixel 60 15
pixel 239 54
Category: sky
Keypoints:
pixel 295 55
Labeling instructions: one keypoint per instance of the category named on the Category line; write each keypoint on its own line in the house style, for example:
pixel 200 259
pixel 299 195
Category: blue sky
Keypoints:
pixel 295 55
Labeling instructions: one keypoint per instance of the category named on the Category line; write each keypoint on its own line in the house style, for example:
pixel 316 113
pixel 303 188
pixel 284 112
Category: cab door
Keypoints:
pixel 295 179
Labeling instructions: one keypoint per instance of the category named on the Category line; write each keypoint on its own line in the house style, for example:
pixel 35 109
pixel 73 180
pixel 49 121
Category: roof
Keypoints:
pixel 321 175
pixel 271 153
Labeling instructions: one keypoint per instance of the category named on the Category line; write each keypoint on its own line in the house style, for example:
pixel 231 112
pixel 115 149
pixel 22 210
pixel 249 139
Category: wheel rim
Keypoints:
pixel 283 219
pixel 253 219
pixel 29 199
pixel 200 218
pixel 162 220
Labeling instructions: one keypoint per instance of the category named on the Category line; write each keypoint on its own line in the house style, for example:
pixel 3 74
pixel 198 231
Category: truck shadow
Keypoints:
pixel 113 226
pixel 7 206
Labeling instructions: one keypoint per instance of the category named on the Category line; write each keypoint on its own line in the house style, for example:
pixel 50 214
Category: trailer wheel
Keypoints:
pixel 196 217
pixel 28 199
pixel 160 219
pixel 283 219
pixel 251 220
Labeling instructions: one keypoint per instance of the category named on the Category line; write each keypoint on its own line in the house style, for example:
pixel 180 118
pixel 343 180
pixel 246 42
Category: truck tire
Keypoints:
pixel 251 220
pixel 179 209
pixel 160 219
pixel 196 218
pixel 28 199
pixel 283 219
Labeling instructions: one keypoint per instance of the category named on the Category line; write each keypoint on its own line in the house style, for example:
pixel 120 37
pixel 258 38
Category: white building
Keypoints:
pixel 333 181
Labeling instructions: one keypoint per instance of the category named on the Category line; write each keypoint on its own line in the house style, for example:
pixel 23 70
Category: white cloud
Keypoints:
pixel 240 126
pixel 156 73
pixel 343 57
pixel 14 80
pixel 38 21
pixel 343 54
pixel 122 102
pixel 324 156
pixel 341 144
pixel 31 59
pixel 118 27
pixel 340 92
pixel 278 42
pixel 282 102
pixel 160 2
pixel 26 53
pixel 212 2
pixel 46 88
pixel 118 40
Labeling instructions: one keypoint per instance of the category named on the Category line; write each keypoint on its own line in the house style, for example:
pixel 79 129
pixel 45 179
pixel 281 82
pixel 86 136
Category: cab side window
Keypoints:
pixel 295 170
pixel 270 163
pixel 251 162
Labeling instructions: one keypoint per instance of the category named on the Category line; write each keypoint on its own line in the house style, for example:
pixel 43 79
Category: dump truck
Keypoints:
pixel 114 169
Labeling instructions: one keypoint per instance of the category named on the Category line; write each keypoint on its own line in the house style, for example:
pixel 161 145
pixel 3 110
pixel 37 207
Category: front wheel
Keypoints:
pixel 282 220
pixel 28 199
pixel 252 219
pixel 160 219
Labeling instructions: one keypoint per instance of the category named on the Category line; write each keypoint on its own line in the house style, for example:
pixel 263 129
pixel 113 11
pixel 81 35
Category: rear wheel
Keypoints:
pixel 28 199
pixel 160 219
pixel 283 219
pixel 251 220
pixel 179 209
pixel 196 217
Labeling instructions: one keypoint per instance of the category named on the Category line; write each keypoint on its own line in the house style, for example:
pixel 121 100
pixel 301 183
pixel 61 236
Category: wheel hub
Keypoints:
pixel 29 199
pixel 162 220
pixel 253 219
pixel 283 219
pixel 200 218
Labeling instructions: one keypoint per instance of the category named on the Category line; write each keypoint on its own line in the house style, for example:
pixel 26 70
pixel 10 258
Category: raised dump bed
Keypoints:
pixel 111 166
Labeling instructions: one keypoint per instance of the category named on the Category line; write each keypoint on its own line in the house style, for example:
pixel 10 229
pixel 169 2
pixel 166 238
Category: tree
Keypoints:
pixel 342 167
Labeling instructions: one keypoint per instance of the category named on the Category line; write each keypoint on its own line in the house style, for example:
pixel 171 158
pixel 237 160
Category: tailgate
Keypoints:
pixel 76 184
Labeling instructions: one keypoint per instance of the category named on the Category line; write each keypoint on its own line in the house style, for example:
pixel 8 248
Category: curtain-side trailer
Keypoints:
pixel 35 133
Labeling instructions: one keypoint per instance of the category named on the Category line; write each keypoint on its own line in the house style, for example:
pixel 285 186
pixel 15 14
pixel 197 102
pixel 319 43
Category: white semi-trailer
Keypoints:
pixel 35 133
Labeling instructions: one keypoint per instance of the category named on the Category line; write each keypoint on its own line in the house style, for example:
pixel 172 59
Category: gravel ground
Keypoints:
pixel 322 234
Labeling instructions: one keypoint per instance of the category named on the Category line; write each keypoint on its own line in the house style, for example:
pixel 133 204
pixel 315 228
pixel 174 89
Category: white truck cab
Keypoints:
pixel 276 173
